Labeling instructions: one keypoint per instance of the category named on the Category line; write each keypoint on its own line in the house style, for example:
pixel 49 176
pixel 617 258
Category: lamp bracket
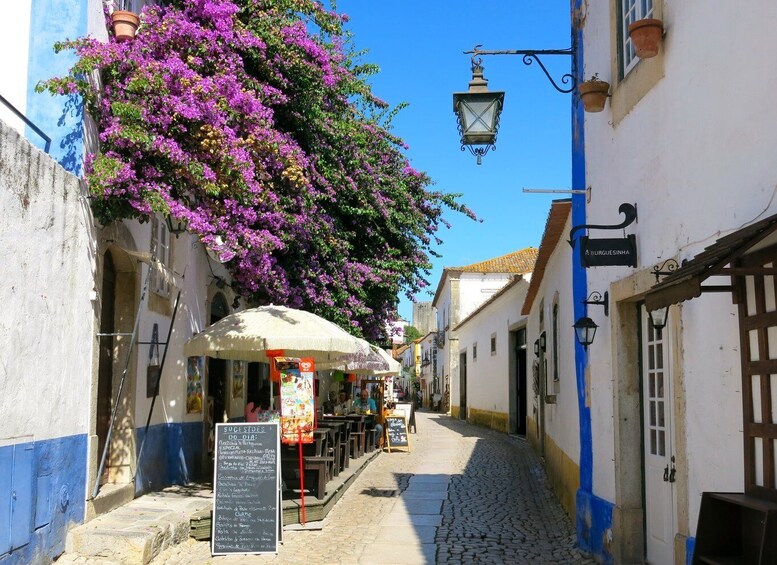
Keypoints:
pixel 628 210
pixel 664 269
pixel 529 56
pixel 599 299
pixel 478 152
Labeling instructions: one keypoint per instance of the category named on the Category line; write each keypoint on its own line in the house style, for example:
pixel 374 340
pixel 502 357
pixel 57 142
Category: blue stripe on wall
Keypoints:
pixel 48 490
pixel 61 118
pixel 690 545
pixel 593 514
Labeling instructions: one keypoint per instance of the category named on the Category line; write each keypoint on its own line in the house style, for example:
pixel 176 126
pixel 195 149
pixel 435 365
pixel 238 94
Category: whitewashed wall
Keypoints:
pixel 561 419
pixel 477 288
pixel 47 330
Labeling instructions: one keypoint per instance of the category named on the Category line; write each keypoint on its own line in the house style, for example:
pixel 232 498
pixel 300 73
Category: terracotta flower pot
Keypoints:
pixel 594 94
pixel 125 24
pixel 646 37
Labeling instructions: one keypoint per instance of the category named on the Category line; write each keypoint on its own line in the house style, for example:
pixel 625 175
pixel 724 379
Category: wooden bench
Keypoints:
pixel 315 468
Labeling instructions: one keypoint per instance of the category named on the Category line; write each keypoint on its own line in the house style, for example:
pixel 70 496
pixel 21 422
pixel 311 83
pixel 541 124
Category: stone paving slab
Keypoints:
pixel 407 534
pixel 402 518
pixel 418 477
pixel 417 506
pixel 391 554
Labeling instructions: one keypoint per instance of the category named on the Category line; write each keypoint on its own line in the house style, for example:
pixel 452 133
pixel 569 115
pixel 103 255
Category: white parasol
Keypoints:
pixel 394 366
pixel 249 334
pixel 378 362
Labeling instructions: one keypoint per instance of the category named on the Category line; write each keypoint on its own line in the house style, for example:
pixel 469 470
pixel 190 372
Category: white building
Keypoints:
pixel 84 306
pixel 460 291
pixel 673 417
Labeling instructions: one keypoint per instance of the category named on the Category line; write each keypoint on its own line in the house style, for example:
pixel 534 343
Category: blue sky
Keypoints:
pixel 418 46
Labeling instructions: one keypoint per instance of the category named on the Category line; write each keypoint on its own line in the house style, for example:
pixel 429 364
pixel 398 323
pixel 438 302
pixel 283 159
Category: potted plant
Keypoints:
pixel 593 93
pixel 646 37
pixel 125 24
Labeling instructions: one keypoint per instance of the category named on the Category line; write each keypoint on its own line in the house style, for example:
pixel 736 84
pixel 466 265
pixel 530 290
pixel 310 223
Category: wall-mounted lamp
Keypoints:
pixel 585 330
pixel 666 268
pixel 599 299
pixel 536 347
pixel 658 318
pixel 543 343
pixel 176 225
pixel 478 109
pixel 236 303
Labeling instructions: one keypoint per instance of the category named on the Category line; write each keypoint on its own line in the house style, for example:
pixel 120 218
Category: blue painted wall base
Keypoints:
pixel 594 526
pixel 42 496
pixel 172 455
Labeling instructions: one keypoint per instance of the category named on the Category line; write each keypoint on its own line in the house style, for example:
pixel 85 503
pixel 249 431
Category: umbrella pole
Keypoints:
pixel 301 476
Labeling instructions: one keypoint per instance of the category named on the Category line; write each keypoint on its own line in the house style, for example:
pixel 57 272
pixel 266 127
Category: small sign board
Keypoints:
pixel 396 432
pixel 609 252
pixel 407 409
pixel 246 489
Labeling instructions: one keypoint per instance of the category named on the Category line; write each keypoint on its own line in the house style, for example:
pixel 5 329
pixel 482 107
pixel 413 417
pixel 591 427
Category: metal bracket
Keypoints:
pixel 628 210
pixel 599 299
pixel 529 57
pixel 666 268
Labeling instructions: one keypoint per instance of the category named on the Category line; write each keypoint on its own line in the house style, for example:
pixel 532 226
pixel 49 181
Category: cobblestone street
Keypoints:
pixel 462 494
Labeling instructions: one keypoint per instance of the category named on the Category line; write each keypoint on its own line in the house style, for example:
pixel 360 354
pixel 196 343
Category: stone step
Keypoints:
pixel 137 532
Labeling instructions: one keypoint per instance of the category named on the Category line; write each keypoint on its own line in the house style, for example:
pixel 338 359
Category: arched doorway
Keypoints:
pixel 116 363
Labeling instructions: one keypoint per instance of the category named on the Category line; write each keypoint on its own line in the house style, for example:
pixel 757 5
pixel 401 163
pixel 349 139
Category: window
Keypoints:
pixel 630 12
pixel 474 351
pixel 160 250
pixel 493 344
pixel 555 342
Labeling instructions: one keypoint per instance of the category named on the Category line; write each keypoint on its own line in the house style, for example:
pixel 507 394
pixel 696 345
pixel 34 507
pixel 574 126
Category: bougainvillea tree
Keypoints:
pixel 253 121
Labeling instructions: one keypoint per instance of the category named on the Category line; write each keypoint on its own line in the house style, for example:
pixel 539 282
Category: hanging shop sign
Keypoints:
pixel 297 403
pixel 609 252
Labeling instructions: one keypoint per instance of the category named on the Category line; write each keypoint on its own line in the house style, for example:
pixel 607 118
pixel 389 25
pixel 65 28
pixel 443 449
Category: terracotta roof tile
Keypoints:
pixel 517 262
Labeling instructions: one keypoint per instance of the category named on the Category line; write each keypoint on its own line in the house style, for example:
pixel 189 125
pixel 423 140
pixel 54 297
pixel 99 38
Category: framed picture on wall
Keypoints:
pixel 238 379
pixel 195 372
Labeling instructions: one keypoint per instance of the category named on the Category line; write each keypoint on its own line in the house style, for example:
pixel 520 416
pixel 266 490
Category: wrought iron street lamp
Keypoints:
pixel 478 109
pixel 585 330
pixel 478 112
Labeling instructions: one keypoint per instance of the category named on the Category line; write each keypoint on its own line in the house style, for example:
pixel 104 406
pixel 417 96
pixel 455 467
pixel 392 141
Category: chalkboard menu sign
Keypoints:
pixel 396 432
pixel 246 488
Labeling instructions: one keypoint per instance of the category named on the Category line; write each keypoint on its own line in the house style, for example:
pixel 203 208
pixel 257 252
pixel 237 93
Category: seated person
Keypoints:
pixel 261 412
pixel 343 406
pixel 366 405
pixel 329 405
